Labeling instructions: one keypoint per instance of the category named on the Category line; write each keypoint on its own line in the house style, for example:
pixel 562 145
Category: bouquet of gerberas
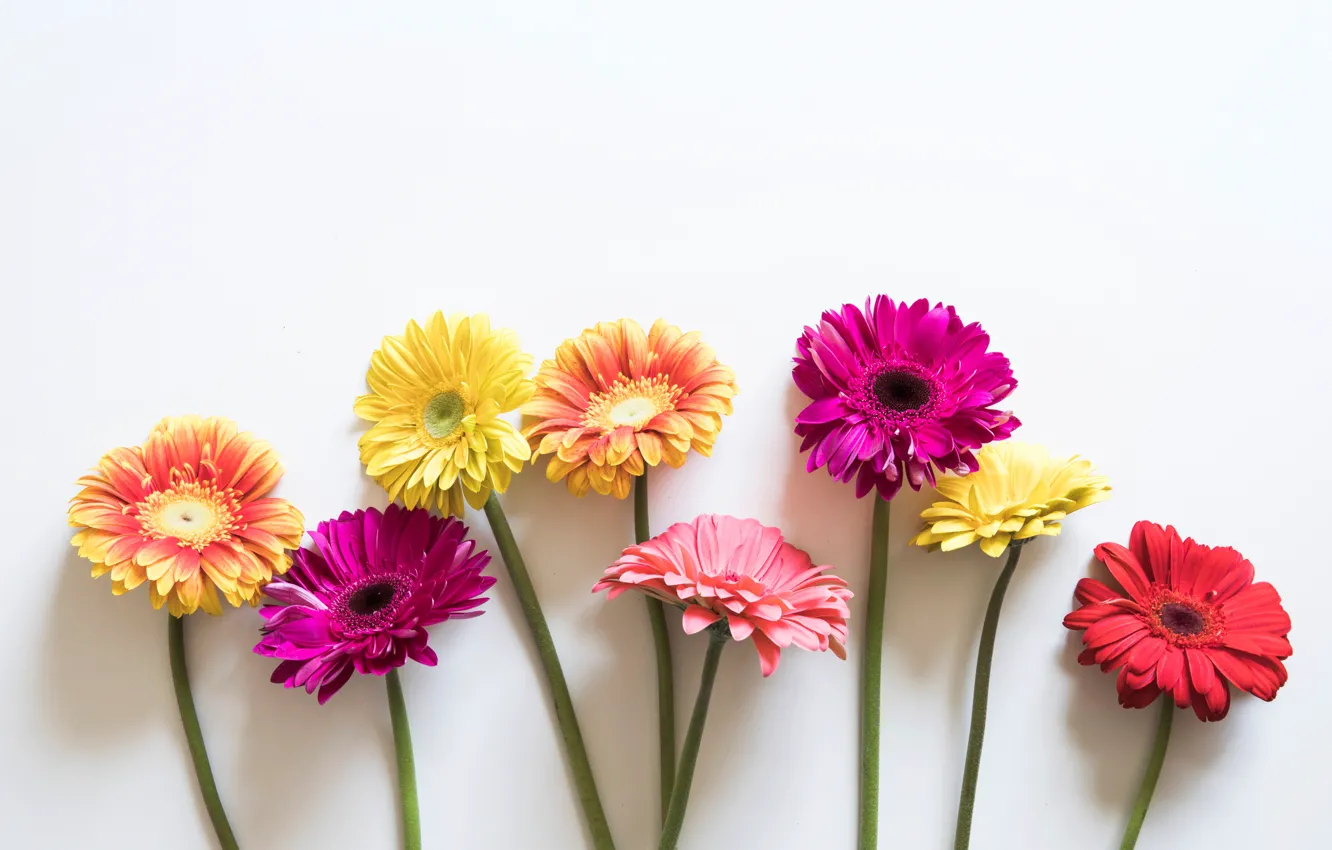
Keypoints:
pixel 898 393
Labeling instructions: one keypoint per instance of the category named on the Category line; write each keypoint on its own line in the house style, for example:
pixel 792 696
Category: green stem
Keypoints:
pixel 871 678
pixel 203 771
pixel 402 746
pixel 661 641
pixel 1139 813
pixel 980 698
pixel 594 814
pixel 670 830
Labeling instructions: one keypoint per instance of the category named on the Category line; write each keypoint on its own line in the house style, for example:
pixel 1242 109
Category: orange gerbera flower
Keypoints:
pixel 616 398
pixel 185 513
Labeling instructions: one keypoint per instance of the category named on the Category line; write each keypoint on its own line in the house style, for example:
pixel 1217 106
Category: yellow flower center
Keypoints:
pixel 443 409
pixel 194 514
pixel 633 403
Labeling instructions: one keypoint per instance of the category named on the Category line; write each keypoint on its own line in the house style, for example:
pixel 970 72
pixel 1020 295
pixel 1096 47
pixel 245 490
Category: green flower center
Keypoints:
pixel 443 413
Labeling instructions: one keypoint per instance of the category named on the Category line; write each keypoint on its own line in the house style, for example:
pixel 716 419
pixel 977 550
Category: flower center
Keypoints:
pixel 1181 619
pixel 632 403
pixel 371 598
pixel 902 390
pixel 633 411
pixel 443 413
pixel 195 514
pixel 896 392
pixel 371 603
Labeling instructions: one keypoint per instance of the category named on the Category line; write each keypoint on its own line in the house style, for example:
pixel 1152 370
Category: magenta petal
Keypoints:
pixel 824 410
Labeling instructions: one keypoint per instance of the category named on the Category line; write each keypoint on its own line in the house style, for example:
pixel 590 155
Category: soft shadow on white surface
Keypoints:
pixel 104 661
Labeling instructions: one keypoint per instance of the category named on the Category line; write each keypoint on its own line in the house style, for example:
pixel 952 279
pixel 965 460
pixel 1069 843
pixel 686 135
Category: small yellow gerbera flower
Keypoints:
pixel 1019 492
pixel 437 396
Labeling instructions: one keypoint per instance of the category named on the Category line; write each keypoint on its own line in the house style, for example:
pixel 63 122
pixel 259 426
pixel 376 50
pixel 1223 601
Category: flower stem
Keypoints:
pixel 550 663
pixel 980 699
pixel 1139 813
pixel 189 718
pixel 661 641
pixel 402 746
pixel 871 678
pixel 670 830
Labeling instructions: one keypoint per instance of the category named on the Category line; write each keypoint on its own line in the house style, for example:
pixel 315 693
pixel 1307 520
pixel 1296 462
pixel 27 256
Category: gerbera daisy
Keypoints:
pixel 897 391
pixel 613 402
pixel 186 513
pixel 1019 492
pixel 361 600
pixel 1189 623
pixel 437 396
pixel 1189 619
pixel 616 400
pixel 737 579
pixel 742 573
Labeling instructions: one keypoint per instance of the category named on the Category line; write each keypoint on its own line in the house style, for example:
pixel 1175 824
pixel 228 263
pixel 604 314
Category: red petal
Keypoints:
pixel 1210 697
pixel 1114 655
pixel 1151 545
pixel 1125 569
pixel 1131 697
pixel 1169 668
pixel 1257 643
pixel 1201 672
pixel 1145 655
pixel 1090 590
pixel 1112 629
pixel 1257 608
pixel 1235 667
pixel 1089 615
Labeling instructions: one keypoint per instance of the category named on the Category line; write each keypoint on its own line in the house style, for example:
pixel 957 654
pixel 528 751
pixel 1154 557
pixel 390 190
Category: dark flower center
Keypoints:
pixel 371 598
pixel 902 390
pixel 1181 619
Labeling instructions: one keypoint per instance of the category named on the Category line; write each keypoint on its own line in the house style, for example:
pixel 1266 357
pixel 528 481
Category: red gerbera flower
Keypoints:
pixel 1192 619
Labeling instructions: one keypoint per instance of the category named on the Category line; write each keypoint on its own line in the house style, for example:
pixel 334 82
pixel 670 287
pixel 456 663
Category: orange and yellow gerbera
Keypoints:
pixel 185 512
pixel 615 399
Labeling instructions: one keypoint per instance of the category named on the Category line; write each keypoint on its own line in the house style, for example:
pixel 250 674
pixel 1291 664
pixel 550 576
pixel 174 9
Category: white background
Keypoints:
pixel 223 211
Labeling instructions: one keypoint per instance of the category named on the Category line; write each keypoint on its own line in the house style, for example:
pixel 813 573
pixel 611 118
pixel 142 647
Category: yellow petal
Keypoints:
pixel 995 546
pixel 957 541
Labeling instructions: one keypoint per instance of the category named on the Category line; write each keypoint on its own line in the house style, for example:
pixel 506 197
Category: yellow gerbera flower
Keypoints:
pixel 437 397
pixel 616 400
pixel 1019 492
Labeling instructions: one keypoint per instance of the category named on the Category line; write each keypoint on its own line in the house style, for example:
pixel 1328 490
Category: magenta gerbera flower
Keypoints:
pixel 899 390
pixel 362 599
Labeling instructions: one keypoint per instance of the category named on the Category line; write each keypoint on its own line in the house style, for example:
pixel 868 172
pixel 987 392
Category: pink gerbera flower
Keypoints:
pixel 741 573
pixel 898 389
pixel 362 599
pixel 1189 619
